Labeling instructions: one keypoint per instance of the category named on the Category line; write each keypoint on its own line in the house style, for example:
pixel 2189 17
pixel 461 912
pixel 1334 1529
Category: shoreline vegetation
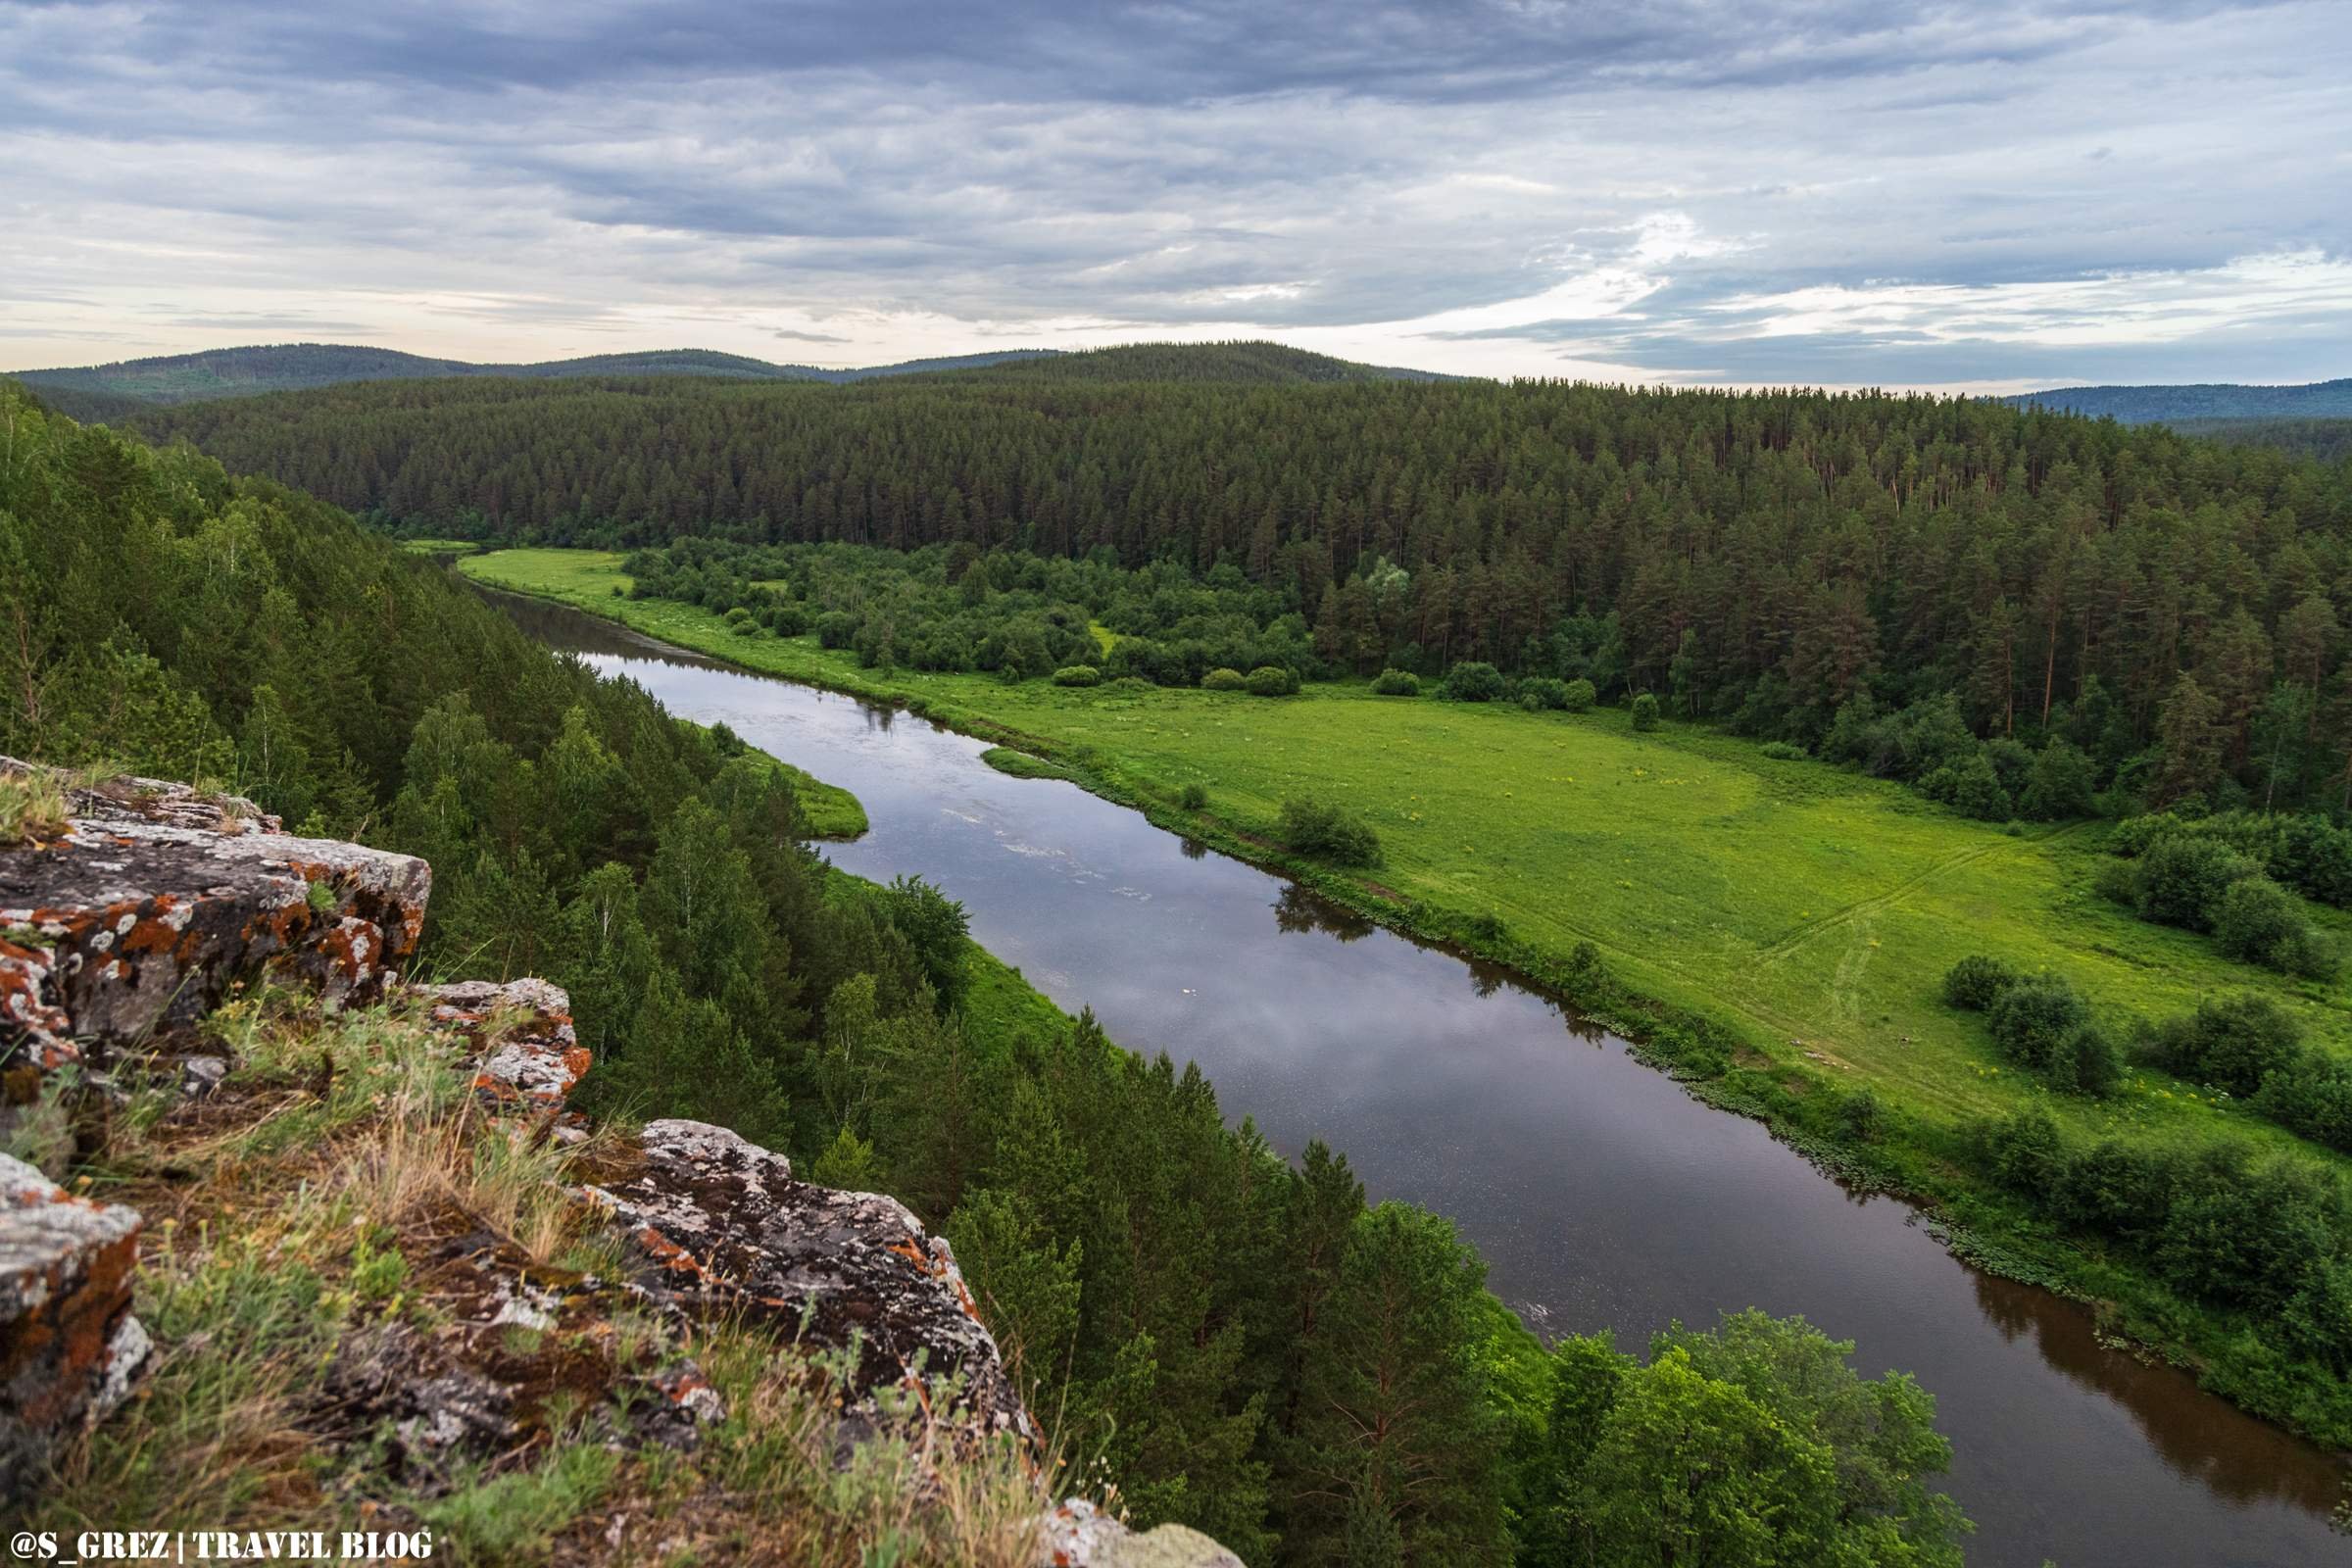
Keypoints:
pixel 1823 1019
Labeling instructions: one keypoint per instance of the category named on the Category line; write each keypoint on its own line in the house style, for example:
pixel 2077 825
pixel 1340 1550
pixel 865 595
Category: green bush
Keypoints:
pixel 2178 879
pixel 836 628
pixel 1581 695
pixel 1539 694
pixel 1397 683
pixel 2257 920
pixel 1971 786
pixel 1322 829
pixel 2085 1062
pixel 1077 675
pixel 1977 982
pixel 1272 680
pixel 1472 681
pixel 1193 798
pixel 1783 752
pixel 1645 711
pixel 2037 1022
pixel 1224 681
pixel 2229 1043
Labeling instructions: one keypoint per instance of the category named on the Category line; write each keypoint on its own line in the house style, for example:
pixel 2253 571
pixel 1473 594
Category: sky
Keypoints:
pixel 1968 197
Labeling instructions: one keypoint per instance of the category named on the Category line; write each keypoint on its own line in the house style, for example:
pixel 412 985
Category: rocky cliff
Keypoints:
pixel 484 1319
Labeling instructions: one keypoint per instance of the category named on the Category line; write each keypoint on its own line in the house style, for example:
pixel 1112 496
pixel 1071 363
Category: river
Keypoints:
pixel 1598 1191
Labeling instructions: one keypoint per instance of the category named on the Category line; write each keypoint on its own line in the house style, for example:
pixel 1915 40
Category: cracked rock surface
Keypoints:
pixel 156 898
pixel 720 1226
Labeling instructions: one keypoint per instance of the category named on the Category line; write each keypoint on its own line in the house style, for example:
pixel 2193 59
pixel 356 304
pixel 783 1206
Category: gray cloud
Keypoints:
pixel 1659 190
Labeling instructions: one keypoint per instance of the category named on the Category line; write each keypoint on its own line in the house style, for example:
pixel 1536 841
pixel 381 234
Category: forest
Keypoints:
pixel 1243 1342
pixel 1760 560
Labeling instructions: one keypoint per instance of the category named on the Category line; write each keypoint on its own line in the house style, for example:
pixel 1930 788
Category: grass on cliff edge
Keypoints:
pixel 337 1200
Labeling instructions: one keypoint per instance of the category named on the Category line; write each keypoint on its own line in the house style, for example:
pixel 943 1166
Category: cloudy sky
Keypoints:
pixel 1854 192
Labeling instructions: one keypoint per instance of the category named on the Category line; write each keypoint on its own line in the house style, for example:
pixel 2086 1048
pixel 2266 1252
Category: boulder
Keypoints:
pixel 69 1346
pixel 1079 1534
pixel 156 899
pixel 719 1226
pixel 530 1058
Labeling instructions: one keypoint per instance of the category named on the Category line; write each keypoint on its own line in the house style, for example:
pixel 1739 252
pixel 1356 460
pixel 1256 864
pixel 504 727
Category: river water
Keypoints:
pixel 1598 1191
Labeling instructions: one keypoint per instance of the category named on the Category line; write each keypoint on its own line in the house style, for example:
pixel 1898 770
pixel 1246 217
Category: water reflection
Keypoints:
pixel 1298 910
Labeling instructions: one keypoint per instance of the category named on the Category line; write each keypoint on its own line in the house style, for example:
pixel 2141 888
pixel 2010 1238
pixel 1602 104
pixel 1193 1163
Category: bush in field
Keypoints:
pixel 2178 879
pixel 836 628
pixel 2061 784
pixel 1539 694
pixel 1397 683
pixel 1322 829
pixel 1472 681
pixel 1224 681
pixel 1272 680
pixel 1077 675
pixel 2231 1042
pixel 2043 1023
pixel 2257 920
pixel 1645 711
pixel 2085 1061
pixel 1783 752
pixel 1193 798
pixel 1970 785
pixel 1977 982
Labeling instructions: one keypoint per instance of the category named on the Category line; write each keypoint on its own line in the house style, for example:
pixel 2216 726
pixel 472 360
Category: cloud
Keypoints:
pixel 1783 192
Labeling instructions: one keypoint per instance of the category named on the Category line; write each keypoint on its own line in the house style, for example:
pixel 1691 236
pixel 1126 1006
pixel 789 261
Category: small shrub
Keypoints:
pixel 2231 1043
pixel 1397 683
pixel 1322 829
pixel 836 628
pixel 1472 681
pixel 1541 694
pixel 1272 680
pixel 2085 1061
pixel 1195 797
pixel 2258 921
pixel 1784 752
pixel 1645 711
pixel 1977 982
pixel 1077 675
pixel 1860 1116
pixel 2033 1016
pixel 1581 695
pixel 2180 877
pixel 1224 681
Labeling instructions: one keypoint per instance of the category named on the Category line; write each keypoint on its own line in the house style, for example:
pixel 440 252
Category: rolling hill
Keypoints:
pixel 2171 405
pixel 115 391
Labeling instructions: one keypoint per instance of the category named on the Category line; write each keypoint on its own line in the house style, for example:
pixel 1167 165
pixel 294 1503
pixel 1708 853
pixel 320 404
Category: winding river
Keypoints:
pixel 1599 1192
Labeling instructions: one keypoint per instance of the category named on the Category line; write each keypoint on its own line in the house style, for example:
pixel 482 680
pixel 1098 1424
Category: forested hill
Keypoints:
pixel 2148 404
pixel 1780 550
pixel 1248 362
pixel 111 392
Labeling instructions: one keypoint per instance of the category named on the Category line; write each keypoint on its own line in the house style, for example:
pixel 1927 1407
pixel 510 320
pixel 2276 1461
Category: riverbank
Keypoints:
pixel 1773 931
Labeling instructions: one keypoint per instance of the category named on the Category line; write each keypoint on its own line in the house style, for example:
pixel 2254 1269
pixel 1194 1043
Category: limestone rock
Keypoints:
pixel 1079 1534
pixel 719 1226
pixel 156 899
pixel 68 1347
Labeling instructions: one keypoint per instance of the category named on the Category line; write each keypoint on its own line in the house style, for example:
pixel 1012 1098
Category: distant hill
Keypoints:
pixel 2327 440
pixel 1246 362
pixel 2169 404
pixel 113 391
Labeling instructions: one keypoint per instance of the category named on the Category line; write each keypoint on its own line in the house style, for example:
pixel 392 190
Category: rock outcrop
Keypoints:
pixel 156 899
pixel 69 1346
pixel 720 1228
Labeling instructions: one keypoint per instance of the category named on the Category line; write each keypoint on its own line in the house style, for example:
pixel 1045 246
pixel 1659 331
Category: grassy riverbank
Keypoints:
pixel 1777 930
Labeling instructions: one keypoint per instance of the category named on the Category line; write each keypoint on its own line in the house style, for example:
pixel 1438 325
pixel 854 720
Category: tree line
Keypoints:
pixel 1766 557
